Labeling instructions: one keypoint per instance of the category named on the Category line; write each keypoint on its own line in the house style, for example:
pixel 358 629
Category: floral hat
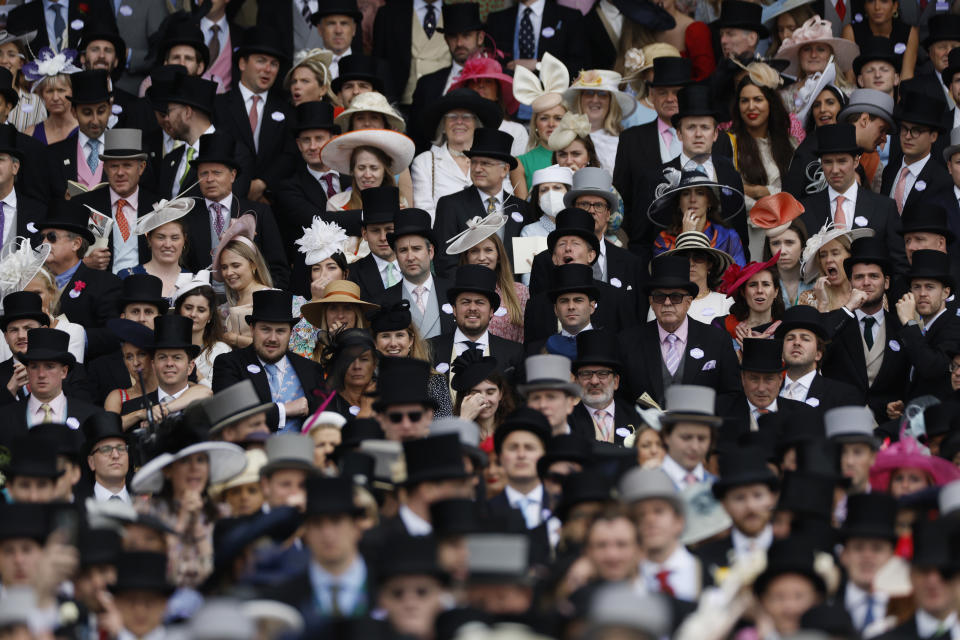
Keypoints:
pixel 736 276
pixel 809 269
pixel 484 67
pixel 321 240
pixel 636 61
pixel 544 92
pixel 601 80
pixel 907 453
pixel 816 29
pixel 48 64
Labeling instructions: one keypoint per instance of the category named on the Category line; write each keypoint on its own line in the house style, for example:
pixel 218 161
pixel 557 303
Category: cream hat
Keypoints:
pixel 375 102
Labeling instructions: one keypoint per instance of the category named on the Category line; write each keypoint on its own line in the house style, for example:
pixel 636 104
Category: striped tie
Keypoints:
pixel 673 353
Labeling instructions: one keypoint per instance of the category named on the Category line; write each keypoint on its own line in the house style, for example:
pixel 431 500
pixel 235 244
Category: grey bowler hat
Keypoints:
pixel 646 484
pixel 620 605
pixel 232 404
pixel 690 403
pixel 592 181
pixel 954 145
pixel 123 144
pixel 851 424
pixel 221 618
pixel 288 451
pixel 549 371
pixel 870 101
pixel 468 432
pixel 949 498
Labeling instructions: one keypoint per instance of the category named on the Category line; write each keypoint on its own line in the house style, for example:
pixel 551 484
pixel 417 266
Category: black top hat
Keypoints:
pixel 183 31
pixel 877 48
pixel 475 278
pixel 492 143
pixel 487 111
pixel 953 66
pixel 403 381
pixel 942 26
pixel 174 332
pixel 23 305
pixel 574 222
pixel 471 368
pixel 821 457
pixel 68 215
pixel 161 81
pixel 357 66
pixel 100 426
pixel 742 15
pixel 523 419
pixel 597 348
pixel 925 217
pixel 67 442
pixel 356 431
pixel 837 138
pixel 454 517
pixel 789 555
pixel 218 147
pixel 932 265
pixel 142 571
pixel 90 87
pixel 410 556
pixel 434 458
pixel 7 89
pixel 50 345
pixel 919 108
pixel 8 141
pixel 762 356
pixel 741 467
pixel 411 222
pixel 671 272
pixel 807 495
pixel 395 317
pixel 695 99
pixel 380 205
pixel 932 543
pixel 586 486
pixel 192 91
pixel 315 114
pixel 566 447
pixel 460 18
pixel 802 316
pixel 941 418
pixel 104 31
pixel 573 277
pixel 261 39
pixel 868 251
pixel 143 287
pixel 330 497
pixel 272 305
pixel 359 467
pixel 30 520
pixel 337 8
pixel 830 619
pixel 870 515
pixel 34 456
pixel 671 72
pixel 98 546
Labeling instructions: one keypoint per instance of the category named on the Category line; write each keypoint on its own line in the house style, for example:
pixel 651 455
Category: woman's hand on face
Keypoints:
pixel 318 285
pixel 692 220
pixel 472 405
pixel 191 502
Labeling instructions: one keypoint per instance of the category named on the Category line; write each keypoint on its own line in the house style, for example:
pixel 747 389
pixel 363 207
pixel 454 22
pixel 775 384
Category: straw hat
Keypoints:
pixel 375 102
pixel 809 269
pixel 255 459
pixel 637 61
pixel 601 80
pixel 816 29
pixel 398 147
pixel 336 291
pixel 690 241
pixel 544 92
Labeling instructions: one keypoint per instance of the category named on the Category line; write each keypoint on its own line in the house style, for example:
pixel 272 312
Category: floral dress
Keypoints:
pixel 500 324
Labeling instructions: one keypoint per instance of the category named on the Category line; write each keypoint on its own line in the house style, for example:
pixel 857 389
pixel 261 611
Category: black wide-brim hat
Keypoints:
pixel 7 90
pixel 487 111
pixel 219 148
pixel 741 467
pixel 272 305
pixel 411 222
pixel 930 264
pixel 434 458
pixel 461 18
pixel 736 14
pixel 492 143
pixel 174 332
pixel 103 31
pixel 597 347
pixel 671 272
pixel 471 368
pixel 870 515
pixel 762 355
pixel 867 251
pixel 837 138
pixel 90 87
pixel 919 108
pixel 131 332
pixel 315 114
pixel 192 91
pixel 573 278
pixel 671 72
pixel 23 305
pixel 925 217
pixel 646 13
pixel 695 99
pixel 877 48
pixel 181 30
pixel 665 206
pixel 574 222
pixel 101 426
pixel 142 571
pixel 48 345
pixel 403 381
pixel 68 215
pixel 802 317
pixel 144 288
pixel 161 81
pixel 475 278
pixel 336 8
pixel 357 66
pixel 261 39
pixel 942 26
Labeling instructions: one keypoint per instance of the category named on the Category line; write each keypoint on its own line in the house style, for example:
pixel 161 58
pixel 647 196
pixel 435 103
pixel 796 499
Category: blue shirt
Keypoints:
pixel 49 15
pixel 66 276
pixel 351 594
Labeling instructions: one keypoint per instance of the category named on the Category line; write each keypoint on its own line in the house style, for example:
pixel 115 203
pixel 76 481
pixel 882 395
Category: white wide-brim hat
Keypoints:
pixel 815 30
pixel 226 461
pixel 399 148
pixel 601 80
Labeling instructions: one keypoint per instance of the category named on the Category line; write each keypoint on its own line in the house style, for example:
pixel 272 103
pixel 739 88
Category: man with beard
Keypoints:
pixel 101 47
pixel 597 370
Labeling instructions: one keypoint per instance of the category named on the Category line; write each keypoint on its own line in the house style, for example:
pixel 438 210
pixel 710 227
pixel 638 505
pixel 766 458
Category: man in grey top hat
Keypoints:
pixel 236 412
pixel 550 390
pixel 283 479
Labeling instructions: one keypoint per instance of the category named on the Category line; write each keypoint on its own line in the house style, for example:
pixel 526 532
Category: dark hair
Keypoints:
pixel 714 274
pixel 186 238
pixel 507 402
pixel 213 331
pixel 747 152
pixel 810 125
pixel 713 210
pixel 593 160
pixel 741 310
pixel 534 199
pixel 798 227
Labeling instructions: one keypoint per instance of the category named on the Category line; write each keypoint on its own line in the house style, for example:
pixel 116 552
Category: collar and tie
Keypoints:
pixel 868 322
pixel 491 205
pixel 794 390
pixel 218 220
pixel 213 44
pixel 430 20
pixel 47 413
pixel 418 296
pixel 186 170
pixel 899 193
pixel 253 115
pixel 604 422
pixel 525 43
pixel 93 154
pixel 839 217
pixel 390 275
pixel 59 25
pixel 121 219
pixel 663 580
pixel 868 616
pixel 673 353
pixel 327 179
pixel 472 345
pixel 3 220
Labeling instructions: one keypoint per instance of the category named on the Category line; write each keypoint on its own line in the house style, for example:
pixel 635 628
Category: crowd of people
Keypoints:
pixel 479 320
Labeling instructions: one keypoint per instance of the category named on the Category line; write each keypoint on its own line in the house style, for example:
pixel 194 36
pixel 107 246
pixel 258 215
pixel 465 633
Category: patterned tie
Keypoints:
pixel 328 179
pixel 121 219
pixel 841 9
pixel 900 191
pixel 526 35
pixel 673 353
pixel 306 12
pixel 430 20
pixel 471 345
pixel 491 205
pixel 47 413
pixel 59 25
pixel 218 221
pixel 93 157
pixel 213 44
pixel 3 220
pixel 663 580
pixel 839 217
pixel 285 388
pixel 186 169
pixel 390 272
pixel 868 322
pixel 254 118
pixel 418 292
pixel 603 425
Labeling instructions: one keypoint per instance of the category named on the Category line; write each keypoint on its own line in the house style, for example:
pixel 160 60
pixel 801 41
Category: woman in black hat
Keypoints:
pixel 882 18
pixel 350 360
pixel 483 393
pixel 55 90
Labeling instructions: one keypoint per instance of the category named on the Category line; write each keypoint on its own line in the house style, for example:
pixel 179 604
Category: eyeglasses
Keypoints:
pixel 592 93
pixel 459 117
pixel 913 132
pixel 585 375
pixel 660 298
pixel 50 236
pixel 107 449
pixel 599 207
pixel 396 417
pixel 953 366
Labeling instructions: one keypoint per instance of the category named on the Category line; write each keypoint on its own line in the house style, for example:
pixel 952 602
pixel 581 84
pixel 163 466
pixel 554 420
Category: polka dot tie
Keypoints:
pixel 526 36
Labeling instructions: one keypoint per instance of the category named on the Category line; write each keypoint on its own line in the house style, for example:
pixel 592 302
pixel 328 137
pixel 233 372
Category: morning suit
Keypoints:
pixel 166 174
pixel 615 311
pixel 366 275
pixel 91 304
pixel 77 412
pixel 30 214
pixel 829 393
pixel 932 181
pixel 100 200
pixel 622 267
pixel 509 354
pixel 561 34
pixel 625 420
pixel 63 159
pixel 32 16
pixel 929 353
pixel 393 43
pixel 436 319
pixel 76 384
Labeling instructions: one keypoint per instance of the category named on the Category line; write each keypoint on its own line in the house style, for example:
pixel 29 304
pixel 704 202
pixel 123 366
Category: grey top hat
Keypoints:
pixel 221 618
pixel 123 144
pixel 467 430
pixel 646 484
pixel 870 101
pixel 706 517
pixel 499 555
pixel 850 424
pixel 288 451
pixel 690 403
pixel 954 145
pixel 549 372
pixel 230 405
pixel 592 181
pixel 619 605
pixel 949 499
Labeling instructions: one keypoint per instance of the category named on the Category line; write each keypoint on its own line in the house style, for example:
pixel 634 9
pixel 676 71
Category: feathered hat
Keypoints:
pixel 321 240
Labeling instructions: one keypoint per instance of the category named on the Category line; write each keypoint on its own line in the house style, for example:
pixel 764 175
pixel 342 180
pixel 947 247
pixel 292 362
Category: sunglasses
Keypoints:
pixel 660 298
pixel 396 417
pixel 50 236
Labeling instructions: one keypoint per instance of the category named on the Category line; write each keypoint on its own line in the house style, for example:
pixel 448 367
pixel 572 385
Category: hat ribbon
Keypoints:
pixel 491 223
pixel 344 293
pixel 589 79
pixel 673 179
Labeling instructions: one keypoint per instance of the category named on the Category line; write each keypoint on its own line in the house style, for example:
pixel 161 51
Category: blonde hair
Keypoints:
pixel 60 78
pixel 611 122
pixel 322 75
pixel 46 276
pixel 505 282
pixel 249 252
pixel 533 138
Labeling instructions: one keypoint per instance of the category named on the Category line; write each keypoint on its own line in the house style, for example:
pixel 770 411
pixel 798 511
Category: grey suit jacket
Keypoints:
pixel 135 27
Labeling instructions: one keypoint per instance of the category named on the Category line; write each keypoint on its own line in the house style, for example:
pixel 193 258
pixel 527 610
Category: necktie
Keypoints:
pixel 673 143
pixel 430 20
pixel 391 276
pixel 305 12
pixel 213 44
pixel 526 35
pixel 868 323
pixel 59 25
pixel 328 179
pixel 673 353
pixel 3 220
pixel 603 424
pixel 702 170
pixel 218 222
pixel 841 9
pixel 839 217
pixel 689 479
pixel 186 169
pixel 900 191
pixel 663 580
pixel 491 205
pixel 794 390
pixel 334 605
pixel 471 345
pixel 93 157
pixel 868 616
pixel 121 220
pixel 530 509
pixel 114 497
pixel 254 118
pixel 47 413
pixel 418 292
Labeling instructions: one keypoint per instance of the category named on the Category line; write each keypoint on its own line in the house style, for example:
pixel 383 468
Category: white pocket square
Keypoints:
pixel 708 365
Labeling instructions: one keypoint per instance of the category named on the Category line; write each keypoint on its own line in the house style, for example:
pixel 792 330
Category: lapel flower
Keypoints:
pixel 79 286
pixel 84 8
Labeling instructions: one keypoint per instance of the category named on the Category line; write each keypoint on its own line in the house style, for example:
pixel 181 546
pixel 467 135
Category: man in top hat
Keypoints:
pixel 952 82
pixel 32 473
pixel 293 19
pixel 68 448
pixel 218 204
pixel 688 428
pixel 413 567
pixel 236 412
pixel 878 65
pixel 845 202
pixel 519 442
pixel 141 592
pixel 570 305
pixel 221 34
pixel 31 177
pixel 173 353
pixel 108 456
pixel 805 337
pixel 285 378
pixel 928 345
pixel 58 25
pixel 413 244
pixel 283 479
pixel 672 349
pixel 490 164
pixel 527 35
pixel 20 210
pixel 338 24
pixel 23 533
pixel 950 199
pixel 124 163
pixel 597 370
pixel 184 43
pixel 475 300
pixel 255 117
pixel 944 36
pixel 377 271
pixel 359 74
pixel 550 391
pixel 77 157
pixel 403 406
pixel 864 350
pixel 741 29
pixel 761 370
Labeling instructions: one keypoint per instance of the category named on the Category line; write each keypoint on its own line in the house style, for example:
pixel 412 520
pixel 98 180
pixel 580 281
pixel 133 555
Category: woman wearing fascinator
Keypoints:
pixel 822 264
pixel 50 75
pixel 27 108
pixel 196 299
pixel 309 78
pixel 483 394
pixel 544 95
pixel 166 231
pixel 596 94
pixel 350 359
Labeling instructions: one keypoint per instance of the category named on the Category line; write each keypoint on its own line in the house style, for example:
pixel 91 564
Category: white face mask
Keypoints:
pixel 551 202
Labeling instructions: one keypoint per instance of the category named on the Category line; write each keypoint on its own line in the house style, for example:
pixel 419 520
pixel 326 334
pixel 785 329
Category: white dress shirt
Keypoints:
pixel 684 574
pixel 50 17
pixel 536 19
pixel 567 334
pixel 530 504
pixel 459 338
pixel 686 161
pixel 247 96
pixel 678 474
pixel 798 392
pixel 613 16
pixel 416 526
pixel 335 64
pixel 226 203
pixel 125 254
pixel 913 172
pixel 855 601
pixel 849 202
pixel 927 625
pixel 420 8
pixel 182 167
pixel 878 316
pixel 455 69
pixel 427 286
pixel 103 494
pixel 163 396
pixel 383 265
pixel 58 407
pixel 755 410
pixel 9 217
pixel 744 544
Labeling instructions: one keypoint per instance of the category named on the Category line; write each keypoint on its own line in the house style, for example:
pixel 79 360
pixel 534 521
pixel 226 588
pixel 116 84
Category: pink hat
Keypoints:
pixel 483 67
pixel 908 454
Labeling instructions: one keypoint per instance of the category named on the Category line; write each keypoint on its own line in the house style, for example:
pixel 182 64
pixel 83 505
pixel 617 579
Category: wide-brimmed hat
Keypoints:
pixel 574 222
pixel 265 40
pixel 357 66
pixel 809 263
pixel 908 453
pixel 872 101
pixel 665 206
pixel 522 419
pixel 337 152
pixel 549 371
pixel 375 102
pixel 23 305
pixel 142 571
pixel 478 229
pixel 736 276
pixel 143 288
pixel 741 467
pixel 482 67
pixel 225 461
pixel 919 108
pixel 690 403
pixel 737 14
pixel 436 457
pixel 336 8
pixel 878 48
pixel 762 355
pixel 650 484
pixel 272 305
pixel 7 90
pixel 671 272
pixel 131 332
pixel 942 26
pixel 403 381
pixel 850 424
pixel 475 278
pixel 930 264
pixel 816 30
pixel 802 316
pixel 775 212
pixel 174 332
pixel 219 148
pixel 315 114
pixel 698 242
pixel 492 143
pixel 595 347
pixel 954 143
pixel 232 404
pixel 592 181
pixel 122 144
pixel 68 215
pixel 336 291
pixel 241 229
pixel 670 72
pixel 90 87
pixel 794 555
pixel 573 278
pixel 544 92
pixel 101 426
pixel 192 91
pixel 411 222
pixel 601 80
pixel 705 516
pixel 46 344
pixel 165 211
